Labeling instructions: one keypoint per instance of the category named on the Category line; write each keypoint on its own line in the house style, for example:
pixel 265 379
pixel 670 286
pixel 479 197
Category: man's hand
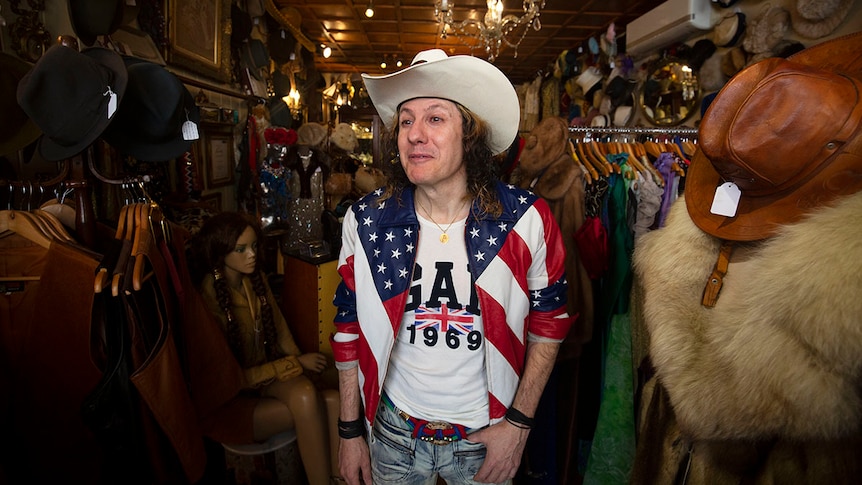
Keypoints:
pixel 354 461
pixel 504 444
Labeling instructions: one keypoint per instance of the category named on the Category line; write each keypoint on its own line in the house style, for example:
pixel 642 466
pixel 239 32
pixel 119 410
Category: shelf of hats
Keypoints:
pixel 664 68
pixel 230 85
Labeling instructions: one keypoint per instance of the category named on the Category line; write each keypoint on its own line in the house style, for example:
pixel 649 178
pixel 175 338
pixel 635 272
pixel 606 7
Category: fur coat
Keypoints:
pixel 774 369
pixel 550 172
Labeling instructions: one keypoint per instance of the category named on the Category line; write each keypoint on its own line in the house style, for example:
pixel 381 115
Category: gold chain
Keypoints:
pixel 444 238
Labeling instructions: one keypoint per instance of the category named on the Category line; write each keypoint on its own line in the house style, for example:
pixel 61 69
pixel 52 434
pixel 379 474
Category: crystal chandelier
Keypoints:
pixel 494 31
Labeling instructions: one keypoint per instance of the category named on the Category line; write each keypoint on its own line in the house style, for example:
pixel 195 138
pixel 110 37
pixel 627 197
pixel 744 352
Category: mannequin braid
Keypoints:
pixel 234 336
pixel 270 338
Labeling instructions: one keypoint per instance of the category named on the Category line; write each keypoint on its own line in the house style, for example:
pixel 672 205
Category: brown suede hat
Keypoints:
pixel 787 133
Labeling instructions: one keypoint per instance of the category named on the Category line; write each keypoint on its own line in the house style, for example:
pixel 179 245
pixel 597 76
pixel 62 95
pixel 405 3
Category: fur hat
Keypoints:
pixel 759 134
pixel 767 30
pixel 311 134
pixel 17 130
pixel 814 19
pixel 344 137
pixel 469 81
pixel 545 144
pixel 710 75
pixel 72 96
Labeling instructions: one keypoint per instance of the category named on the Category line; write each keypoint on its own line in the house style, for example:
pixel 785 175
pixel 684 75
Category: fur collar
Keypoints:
pixel 780 355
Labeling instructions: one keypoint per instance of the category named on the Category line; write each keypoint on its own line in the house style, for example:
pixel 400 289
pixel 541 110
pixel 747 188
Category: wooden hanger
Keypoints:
pixel 15 221
pixel 53 225
pixel 589 172
pixel 585 153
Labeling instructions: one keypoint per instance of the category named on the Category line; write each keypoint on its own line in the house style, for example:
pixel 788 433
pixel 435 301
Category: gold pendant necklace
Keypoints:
pixel 444 238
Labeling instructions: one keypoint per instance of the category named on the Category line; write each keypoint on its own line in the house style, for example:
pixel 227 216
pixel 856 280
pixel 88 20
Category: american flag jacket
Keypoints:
pixel 516 263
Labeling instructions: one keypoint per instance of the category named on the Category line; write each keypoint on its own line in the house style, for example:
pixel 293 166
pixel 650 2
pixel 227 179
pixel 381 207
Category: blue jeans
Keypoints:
pixel 398 458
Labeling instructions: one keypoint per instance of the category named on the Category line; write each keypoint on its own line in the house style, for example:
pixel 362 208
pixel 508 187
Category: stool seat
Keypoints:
pixel 274 442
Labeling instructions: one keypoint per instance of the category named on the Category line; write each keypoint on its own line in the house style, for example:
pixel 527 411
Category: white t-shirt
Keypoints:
pixel 437 367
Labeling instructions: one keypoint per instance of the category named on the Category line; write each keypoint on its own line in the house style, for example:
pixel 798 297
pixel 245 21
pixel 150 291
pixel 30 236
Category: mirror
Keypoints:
pixel 670 93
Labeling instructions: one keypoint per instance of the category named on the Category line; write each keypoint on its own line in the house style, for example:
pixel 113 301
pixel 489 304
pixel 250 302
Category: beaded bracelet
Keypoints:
pixel 518 419
pixel 351 429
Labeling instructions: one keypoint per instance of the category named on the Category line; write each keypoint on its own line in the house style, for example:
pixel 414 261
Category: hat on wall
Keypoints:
pixel 767 30
pixel 469 81
pixel 17 130
pixel 149 123
pixel 72 97
pixel 344 137
pixel 729 30
pixel 760 133
pixel 92 18
pixel 311 134
pixel 817 18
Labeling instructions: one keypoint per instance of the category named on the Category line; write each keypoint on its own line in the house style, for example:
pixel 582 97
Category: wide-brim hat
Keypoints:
pixel 787 133
pixel 149 124
pixel 469 81
pixel 92 18
pixel 68 94
pixel 17 130
pixel 814 19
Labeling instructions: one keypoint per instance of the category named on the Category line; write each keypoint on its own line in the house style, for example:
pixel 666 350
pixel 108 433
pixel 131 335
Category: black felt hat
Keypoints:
pixel 92 18
pixel 149 123
pixel 17 130
pixel 72 97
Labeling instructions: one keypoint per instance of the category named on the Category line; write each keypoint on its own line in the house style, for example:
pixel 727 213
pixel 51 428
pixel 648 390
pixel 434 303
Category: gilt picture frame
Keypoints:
pixel 199 37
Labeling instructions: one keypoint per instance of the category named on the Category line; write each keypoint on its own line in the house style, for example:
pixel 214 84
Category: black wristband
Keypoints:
pixel 351 429
pixel 518 419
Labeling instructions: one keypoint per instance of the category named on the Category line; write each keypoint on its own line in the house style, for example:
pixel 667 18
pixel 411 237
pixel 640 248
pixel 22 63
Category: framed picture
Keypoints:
pixel 213 201
pixel 199 34
pixel 218 152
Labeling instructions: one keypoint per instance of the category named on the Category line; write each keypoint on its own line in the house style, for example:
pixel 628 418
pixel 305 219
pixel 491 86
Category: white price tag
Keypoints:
pixel 726 200
pixel 112 102
pixel 190 131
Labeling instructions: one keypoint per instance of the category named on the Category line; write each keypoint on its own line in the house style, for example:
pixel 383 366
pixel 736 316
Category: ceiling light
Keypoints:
pixel 327 51
pixel 398 63
pixel 369 10
pixel 494 31
pixel 383 64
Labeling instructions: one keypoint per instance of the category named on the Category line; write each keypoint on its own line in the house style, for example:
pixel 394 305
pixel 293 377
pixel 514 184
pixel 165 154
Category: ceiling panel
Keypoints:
pixel 400 28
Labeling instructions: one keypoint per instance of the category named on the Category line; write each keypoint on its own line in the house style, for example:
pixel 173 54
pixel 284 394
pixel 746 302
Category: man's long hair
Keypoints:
pixel 481 165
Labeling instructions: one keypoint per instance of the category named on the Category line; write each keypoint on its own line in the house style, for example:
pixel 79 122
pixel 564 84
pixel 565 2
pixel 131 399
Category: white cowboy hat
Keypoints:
pixel 469 81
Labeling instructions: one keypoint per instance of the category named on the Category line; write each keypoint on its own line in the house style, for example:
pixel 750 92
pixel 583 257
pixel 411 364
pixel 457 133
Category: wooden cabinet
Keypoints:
pixel 309 287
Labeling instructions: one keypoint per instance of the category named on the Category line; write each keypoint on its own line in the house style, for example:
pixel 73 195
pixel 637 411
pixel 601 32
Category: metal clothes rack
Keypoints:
pixel 633 130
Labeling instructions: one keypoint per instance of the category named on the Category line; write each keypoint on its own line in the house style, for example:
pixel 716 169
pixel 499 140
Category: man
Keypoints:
pixel 453 299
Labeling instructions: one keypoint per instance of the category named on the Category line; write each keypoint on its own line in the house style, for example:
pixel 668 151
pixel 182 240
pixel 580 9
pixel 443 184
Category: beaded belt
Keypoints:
pixel 434 432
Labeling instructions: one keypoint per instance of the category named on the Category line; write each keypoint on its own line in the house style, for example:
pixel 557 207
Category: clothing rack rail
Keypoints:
pixel 633 130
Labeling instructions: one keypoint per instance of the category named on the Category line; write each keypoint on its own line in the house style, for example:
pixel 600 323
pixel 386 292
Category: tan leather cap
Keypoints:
pixel 787 133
